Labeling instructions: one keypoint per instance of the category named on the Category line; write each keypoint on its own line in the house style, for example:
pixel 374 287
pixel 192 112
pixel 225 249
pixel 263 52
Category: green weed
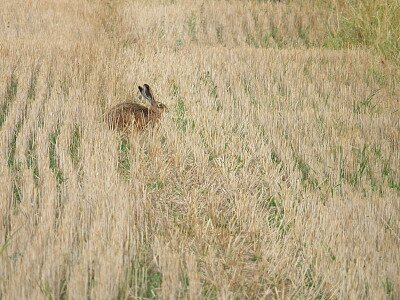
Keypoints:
pixel 192 26
pixel 54 163
pixel 365 105
pixel 363 23
pixel 8 241
pixel 124 165
pixel 363 160
pixel 15 167
pixel 10 94
pixel 180 109
pixel 31 159
pixel 75 144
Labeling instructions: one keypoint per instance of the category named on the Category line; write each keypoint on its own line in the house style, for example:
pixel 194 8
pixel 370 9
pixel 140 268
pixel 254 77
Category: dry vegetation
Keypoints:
pixel 275 173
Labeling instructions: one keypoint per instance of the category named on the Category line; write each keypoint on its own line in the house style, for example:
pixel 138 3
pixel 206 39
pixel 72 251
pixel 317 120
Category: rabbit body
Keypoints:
pixel 124 115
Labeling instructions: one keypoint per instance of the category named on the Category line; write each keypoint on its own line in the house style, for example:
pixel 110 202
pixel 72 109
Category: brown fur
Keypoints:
pixel 124 115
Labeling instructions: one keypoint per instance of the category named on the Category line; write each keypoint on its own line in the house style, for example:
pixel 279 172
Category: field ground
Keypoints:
pixel 275 174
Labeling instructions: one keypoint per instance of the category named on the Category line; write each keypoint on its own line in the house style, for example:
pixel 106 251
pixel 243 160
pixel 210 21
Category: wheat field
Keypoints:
pixel 275 173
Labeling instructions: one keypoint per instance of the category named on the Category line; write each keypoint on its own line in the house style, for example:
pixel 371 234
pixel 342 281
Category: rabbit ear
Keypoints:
pixel 142 91
pixel 146 93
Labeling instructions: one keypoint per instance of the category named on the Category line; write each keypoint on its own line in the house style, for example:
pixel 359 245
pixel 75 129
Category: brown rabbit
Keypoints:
pixel 123 115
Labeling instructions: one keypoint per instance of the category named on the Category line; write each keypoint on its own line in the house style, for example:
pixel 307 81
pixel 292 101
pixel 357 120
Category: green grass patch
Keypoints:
pixel 191 24
pixel 364 23
pixel 153 282
pixel 15 167
pixel 10 94
pixel 31 159
pixel 389 289
pixel 148 281
pixel 32 83
pixel 365 105
pixel 276 212
pixel 275 158
pixel 389 173
pixel 207 80
pixel 7 243
pixel 362 160
pixel 54 163
pixel 124 165
pixel 209 291
pixel 75 144
pixel 45 289
pixel 307 179
pixel 156 185
pixel 180 118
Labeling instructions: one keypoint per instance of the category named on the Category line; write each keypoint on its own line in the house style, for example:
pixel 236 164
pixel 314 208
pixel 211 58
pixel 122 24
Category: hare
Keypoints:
pixel 123 115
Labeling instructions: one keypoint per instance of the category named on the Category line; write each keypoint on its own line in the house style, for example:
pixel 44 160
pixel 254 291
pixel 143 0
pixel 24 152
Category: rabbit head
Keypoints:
pixel 155 105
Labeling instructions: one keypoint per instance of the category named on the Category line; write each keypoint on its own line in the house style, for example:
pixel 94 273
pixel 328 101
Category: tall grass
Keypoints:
pixel 369 24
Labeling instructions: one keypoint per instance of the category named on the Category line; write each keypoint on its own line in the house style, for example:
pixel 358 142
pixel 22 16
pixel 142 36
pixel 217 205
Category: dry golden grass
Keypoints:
pixel 275 174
